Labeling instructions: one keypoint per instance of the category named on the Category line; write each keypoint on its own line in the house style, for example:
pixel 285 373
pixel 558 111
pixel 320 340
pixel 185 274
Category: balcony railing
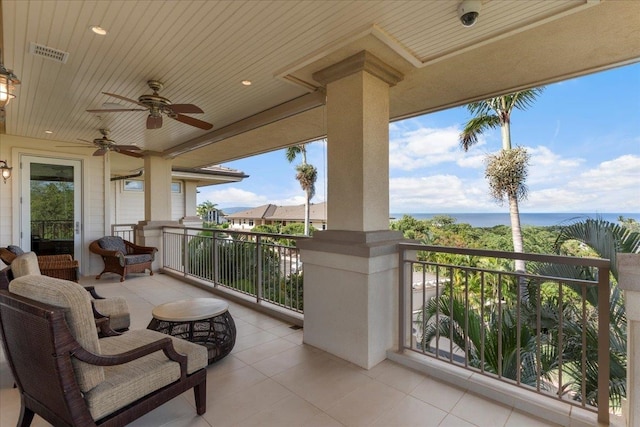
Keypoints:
pixel 547 332
pixel 264 266
pixel 126 231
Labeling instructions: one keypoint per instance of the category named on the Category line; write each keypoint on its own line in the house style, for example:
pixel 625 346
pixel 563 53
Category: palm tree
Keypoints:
pixel 605 239
pixel 306 175
pixel 203 209
pixel 496 327
pixel 507 170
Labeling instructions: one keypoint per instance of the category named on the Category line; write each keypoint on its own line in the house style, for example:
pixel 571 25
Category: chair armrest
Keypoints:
pixel 102 323
pixel 164 344
pixel 132 248
pixel 93 293
pixel 96 249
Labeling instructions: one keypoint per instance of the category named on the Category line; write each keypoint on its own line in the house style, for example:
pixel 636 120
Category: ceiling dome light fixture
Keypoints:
pixel 468 12
pixel 98 30
pixel 8 82
pixel 246 82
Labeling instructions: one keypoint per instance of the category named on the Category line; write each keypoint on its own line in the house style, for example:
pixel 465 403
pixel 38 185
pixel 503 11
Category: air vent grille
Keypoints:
pixel 48 52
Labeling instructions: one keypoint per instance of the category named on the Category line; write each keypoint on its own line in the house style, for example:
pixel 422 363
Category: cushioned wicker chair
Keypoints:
pixel 69 377
pixel 59 266
pixel 123 257
pixel 114 308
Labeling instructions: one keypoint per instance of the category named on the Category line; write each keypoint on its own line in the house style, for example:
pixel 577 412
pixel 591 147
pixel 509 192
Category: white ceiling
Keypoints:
pixel 202 50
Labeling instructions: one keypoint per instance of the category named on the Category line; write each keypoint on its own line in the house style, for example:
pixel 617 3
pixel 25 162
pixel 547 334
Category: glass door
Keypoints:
pixel 51 206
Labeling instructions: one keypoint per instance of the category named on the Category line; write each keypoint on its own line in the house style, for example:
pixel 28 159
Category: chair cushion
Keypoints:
pixel 25 264
pixel 70 295
pixel 17 250
pixel 112 243
pixel 116 309
pixel 128 382
pixel 137 259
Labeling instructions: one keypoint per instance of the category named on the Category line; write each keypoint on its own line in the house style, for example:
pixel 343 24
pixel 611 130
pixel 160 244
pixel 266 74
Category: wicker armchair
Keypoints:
pixel 58 266
pixel 69 377
pixel 123 257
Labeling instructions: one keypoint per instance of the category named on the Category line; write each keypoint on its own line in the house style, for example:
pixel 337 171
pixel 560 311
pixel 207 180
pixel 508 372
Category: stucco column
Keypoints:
pixel 190 218
pixel 629 282
pixel 157 204
pixel 351 269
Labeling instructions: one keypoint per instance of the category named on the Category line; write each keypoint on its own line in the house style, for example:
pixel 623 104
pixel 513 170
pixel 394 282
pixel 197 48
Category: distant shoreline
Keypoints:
pixel 530 219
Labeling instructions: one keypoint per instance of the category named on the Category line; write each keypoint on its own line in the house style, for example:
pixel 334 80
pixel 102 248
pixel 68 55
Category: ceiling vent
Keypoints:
pixel 48 52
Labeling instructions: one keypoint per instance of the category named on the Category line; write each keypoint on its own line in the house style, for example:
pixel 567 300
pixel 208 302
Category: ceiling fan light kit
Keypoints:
pixel 158 106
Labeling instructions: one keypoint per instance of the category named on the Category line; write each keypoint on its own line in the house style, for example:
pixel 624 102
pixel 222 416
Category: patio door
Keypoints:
pixel 51 206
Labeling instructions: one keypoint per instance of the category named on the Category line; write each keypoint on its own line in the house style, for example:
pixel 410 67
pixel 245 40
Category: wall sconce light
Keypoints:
pixel 8 82
pixel 5 170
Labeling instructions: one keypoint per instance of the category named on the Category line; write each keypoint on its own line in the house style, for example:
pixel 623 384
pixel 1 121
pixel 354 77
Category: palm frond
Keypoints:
pixel 475 127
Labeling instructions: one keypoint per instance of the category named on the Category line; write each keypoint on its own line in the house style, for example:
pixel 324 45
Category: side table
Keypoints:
pixel 204 321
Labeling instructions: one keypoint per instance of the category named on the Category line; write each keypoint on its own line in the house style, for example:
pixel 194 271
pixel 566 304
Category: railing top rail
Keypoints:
pixel 227 231
pixel 556 259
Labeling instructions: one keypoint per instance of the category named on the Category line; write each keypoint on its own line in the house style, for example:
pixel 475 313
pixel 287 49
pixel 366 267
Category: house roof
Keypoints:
pixel 270 212
pixel 202 51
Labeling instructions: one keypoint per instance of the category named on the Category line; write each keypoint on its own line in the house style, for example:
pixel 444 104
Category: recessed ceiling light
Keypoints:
pixel 98 30
pixel 246 82
pixel 48 132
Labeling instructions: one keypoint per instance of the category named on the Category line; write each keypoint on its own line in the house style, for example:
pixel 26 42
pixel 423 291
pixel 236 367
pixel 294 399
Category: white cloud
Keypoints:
pixel 231 197
pixel 422 147
pixel 546 166
pixel 438 193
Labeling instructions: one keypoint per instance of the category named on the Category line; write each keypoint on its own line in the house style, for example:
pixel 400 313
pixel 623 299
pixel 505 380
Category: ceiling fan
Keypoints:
pixel 157 106
pixel 105 144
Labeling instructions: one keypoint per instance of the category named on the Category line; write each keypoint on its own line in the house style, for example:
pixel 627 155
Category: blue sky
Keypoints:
pixel 583 136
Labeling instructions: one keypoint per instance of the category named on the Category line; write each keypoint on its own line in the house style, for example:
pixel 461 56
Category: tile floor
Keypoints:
pixel 272 379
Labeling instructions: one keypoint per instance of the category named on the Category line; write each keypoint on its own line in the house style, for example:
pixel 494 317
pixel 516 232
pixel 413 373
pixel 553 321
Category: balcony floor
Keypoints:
pixel 272 379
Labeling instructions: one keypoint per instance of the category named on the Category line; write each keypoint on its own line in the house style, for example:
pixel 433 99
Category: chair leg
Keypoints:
pixel 26 416
pixel 200 394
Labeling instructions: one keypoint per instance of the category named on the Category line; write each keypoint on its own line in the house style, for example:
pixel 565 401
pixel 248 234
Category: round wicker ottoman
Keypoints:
pixel 204 321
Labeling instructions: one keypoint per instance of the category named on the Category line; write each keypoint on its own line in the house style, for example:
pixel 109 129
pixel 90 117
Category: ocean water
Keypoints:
pixel 535 219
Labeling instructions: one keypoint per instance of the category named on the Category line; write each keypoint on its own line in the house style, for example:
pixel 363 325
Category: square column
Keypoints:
pixel 351 270
pixel 629 282
pixel 157 204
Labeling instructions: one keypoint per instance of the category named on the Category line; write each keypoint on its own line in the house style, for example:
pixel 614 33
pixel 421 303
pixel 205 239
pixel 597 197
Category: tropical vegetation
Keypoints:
pixel 506 170
pixel 306 174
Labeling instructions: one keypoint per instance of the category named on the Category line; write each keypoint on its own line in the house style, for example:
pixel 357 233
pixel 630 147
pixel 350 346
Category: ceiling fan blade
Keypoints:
pixel 84 140
pixel 126 147
pixel 125 99
pixel 186 108
pixel 115 110
pixel 193 122
pixel 154 122
pixel 130 153
pixel 100 152
pixel 71 146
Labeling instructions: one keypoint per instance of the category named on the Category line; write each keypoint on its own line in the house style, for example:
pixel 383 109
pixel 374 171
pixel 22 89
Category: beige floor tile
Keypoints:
pixel 264 351
pixel 175 409
pixel 233 382
pixel 287 359
pixel 244 342
pixel 229 409
pixel 324 386
pixel 224 366
pixel 453 421
pixel 398 376
pixel 292 411
pixel 365 404
pixel 282 330
pixel 297 337
pixel 438 394
pixel 482 412
pixel 411 412
pixel 519 419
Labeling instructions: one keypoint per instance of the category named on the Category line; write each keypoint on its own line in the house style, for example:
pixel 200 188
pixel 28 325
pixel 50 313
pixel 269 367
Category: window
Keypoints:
pixel 176 187
pixel 250 223
pixel 133 185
